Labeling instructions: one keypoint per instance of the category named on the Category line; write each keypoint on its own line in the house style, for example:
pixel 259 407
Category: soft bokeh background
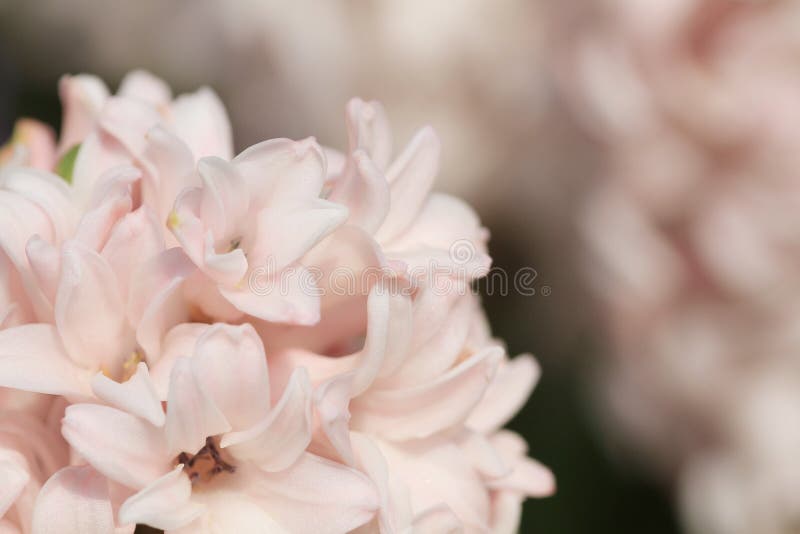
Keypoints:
pixel 501 84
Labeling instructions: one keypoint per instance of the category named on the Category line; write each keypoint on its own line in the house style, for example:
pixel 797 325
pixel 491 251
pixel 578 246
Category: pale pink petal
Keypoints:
pixel 314 495
pixel 165 503
pixel 388 336
pixel 368 129
pixel 411 178
pixel 446 233
pixel 135 236
pixel 169 169
pixel 395 513
pixel 291 296
pixel 88 289
pixel 98 153
pixel 419 411
pixel 137 395
pixel 528 477
pixel 179 342
pixel 155 301
pixel 336 161
pixel 166 309
pixel 36 141
pixel 365 192
pixel 482 454
pixel 125 448
pixel 128 121
pixel 197 240
pixel 231 368
pixel 111 199
pixel 438 520
pixel 74 501
pixel 230 511
pixel 224 201
pixel 45 262
pixel 506 512
pixel 437 473
pixel 145 87
pixel 49 193
pixel 434 355
pixel 282 172
pixel 507 394
pixel 283 236
pixel 14 472
pixel 191 414
pixel 200 119
pixel 332 400
pixel 27 351
pixel 82 98
pixel 278 441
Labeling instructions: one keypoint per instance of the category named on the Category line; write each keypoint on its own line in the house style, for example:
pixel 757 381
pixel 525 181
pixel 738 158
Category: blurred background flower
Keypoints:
pixel 639 155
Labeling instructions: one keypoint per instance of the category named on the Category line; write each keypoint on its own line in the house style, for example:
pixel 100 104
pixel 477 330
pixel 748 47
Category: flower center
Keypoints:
pixel 206 463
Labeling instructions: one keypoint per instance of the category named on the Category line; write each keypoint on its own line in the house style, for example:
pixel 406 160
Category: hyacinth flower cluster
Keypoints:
pixel 281 340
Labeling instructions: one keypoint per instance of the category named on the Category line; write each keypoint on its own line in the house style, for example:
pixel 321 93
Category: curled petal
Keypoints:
pixel 411 178
pixel 137 395
pixel 365 192
pixel 278 441
pixel 284 236
pixel 388 336
pixel 282 172
pixel 165 503
pixel 507 394
pixel 125 448
pixel 315 495
pixel 290 296
pixel 419 411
